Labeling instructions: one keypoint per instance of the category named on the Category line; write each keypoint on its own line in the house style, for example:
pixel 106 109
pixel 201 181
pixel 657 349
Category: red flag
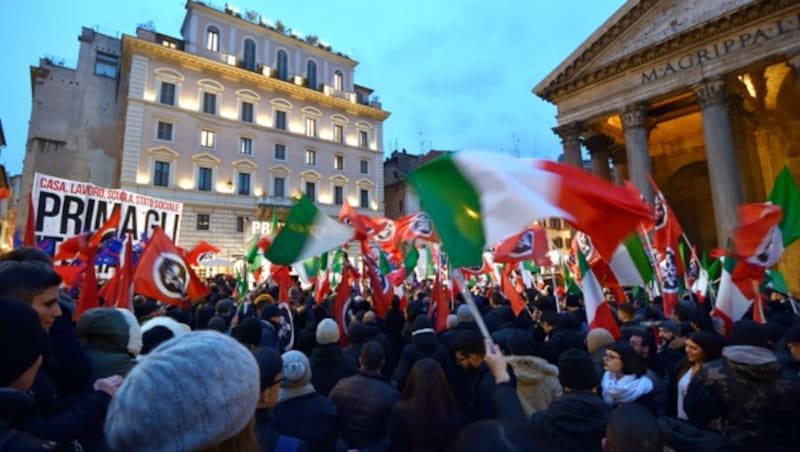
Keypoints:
pixel 280 274
pixel 323 287
pixel 197 253
pixel 125 291
pixel 517 303
pixel 30 224
pixel 70 274
pixel 72 248
pixel 381 289
pixel 107 230
pixel 163 274
pixel 110 290
pixel 89 298
pixel 530 244
pixel 416 226
pixel 442 306
pixel 668 230
pixel 4 193
pixel 339 305
pixel 364 225
pixel 758 239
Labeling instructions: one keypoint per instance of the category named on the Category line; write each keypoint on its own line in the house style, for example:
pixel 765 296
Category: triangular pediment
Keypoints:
pixel 636 27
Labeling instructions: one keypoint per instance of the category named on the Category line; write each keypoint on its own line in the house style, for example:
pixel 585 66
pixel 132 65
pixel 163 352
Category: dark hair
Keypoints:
pixel 428 396
pixel 24 280
pixel 631 362
pixel 494 435
pixel 469 342
pixel 27 254
pixel 647 338
pixel 631 428
pixel 711 344
pixel 372 356
pixel 628 309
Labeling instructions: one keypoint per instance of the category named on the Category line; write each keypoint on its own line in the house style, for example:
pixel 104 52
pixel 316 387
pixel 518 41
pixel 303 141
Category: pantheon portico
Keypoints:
pixel 704 95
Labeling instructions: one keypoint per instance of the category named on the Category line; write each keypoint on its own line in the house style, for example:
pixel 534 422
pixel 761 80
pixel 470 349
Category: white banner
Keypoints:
pixel 65 208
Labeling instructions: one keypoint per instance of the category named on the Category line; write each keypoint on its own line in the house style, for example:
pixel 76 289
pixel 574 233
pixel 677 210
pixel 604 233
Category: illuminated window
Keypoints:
pixel 311 191
pixel 338 133
pixel 207 138
pixel 338 80
pixel 311 127
pixel 161 174
pixel 246 146
pixel 311 157
pixel 279 187
pixel 244 184
pixel 338 162
pixel 212 39
pixel 363 139
pixel 338 195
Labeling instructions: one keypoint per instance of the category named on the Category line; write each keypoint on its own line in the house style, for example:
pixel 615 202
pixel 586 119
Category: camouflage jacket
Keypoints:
pixel 749 397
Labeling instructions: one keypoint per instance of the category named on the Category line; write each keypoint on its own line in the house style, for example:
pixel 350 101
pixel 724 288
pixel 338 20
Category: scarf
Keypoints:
pixel 626 389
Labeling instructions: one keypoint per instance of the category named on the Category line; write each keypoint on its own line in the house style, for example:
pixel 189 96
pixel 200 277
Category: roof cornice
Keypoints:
pixel 132 44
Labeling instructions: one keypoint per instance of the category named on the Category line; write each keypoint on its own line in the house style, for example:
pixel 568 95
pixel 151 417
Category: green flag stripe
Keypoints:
pixel 786 194
pixel 459 224
pixel 639 256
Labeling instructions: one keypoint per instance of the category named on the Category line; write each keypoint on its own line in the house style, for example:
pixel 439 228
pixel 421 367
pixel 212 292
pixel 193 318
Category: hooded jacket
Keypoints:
pixel 365 402
pixel 576 421
pixel 537 382
pixel 424 344
pixel 112 339
pixel 755 400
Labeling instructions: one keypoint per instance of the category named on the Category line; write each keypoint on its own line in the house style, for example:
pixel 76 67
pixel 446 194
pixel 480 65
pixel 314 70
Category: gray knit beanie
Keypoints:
pixel 296 376
pixel 327 332
pixel 176 398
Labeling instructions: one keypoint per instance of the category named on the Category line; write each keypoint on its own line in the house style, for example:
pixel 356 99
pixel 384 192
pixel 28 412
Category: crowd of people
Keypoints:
pixel 216 375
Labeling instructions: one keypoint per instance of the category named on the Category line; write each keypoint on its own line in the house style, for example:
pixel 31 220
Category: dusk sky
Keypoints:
pixel 454 75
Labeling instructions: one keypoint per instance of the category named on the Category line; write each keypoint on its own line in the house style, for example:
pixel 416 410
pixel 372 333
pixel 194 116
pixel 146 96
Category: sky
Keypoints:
pixel 454 75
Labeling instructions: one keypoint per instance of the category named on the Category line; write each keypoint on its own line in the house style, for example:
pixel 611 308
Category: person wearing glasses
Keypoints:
pixel 625 379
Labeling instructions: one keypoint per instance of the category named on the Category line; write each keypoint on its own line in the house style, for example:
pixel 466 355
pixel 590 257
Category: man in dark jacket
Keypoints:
pixel 424 344
pixel 269 439
pixel 469 351
pixel 365 401
pixel 757 400
pixel 575 421
pixel 561 335
pixel 328 363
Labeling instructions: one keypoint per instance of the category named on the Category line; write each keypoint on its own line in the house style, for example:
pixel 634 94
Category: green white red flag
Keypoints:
pixel 598 313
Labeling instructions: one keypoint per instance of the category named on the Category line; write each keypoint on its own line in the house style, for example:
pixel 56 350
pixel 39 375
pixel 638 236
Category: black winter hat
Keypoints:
pixel 792 335
pixel 521 343
pixel 154 337
pixel 748 332
pixel 22 339
pixel 420 323
pixel 249 332
pixel 217 323
pixel 269 311
pixel 269 365
pixel 576 370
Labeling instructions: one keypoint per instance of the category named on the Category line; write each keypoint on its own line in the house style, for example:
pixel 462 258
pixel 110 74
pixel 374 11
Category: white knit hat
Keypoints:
pixel 327 332
pixel 180 397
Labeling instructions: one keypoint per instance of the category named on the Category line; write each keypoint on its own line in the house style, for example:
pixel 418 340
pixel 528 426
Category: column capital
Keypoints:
pixel 569 133
pixel 711 92
pixel 794 62
pixel 635 115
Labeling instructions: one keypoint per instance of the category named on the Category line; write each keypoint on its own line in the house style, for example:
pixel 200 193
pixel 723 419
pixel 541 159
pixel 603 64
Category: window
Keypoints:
pixel 161 174
pixel 239 224
pixel 364 167
pixel 246 146
pixel 167 95
pixel 203 221
pixel 282 67
pixel 280 119
pixel 311 74
pixel 311 157
pixel 278 187
pixel 338 162
pixel 558 242
pixel 204 179
pixel 311 127
pixel 210 103
pixel 249 54
pixel 338 133
pixel 363 138
pixel 244 184
pixel 246 112
pixel 338 80
pixel 338 195
pixel 280 151
pixel 555 223
pixel 364 199
pixel 311 191
pixel 207 138
pixel 106 65
pixel 212 39
pixel 164 131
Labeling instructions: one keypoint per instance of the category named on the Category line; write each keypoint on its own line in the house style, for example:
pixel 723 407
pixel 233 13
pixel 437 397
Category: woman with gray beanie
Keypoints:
pixel 153 411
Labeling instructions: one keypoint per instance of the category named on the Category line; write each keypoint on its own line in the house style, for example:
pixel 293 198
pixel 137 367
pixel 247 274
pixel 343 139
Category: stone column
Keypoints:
pixel 570 135
pixel 620 161
pixel 723 170
pixel 636 126
pixel 599 147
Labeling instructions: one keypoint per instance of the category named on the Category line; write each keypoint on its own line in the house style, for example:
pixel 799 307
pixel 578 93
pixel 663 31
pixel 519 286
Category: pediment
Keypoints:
pixel 245 165
pixel 163 152
pixel 639 25
pixel 280 170
pixel 206 158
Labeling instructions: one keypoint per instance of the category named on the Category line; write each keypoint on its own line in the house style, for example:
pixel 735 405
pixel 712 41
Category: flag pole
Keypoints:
pixel 653 264
pixel 472 306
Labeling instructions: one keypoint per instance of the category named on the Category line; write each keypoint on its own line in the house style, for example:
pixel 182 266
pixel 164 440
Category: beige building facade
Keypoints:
pixel 236 117
pixel 705 96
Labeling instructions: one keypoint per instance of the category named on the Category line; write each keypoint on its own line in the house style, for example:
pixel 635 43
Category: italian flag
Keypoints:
pixel 758 238
pixel 307 233
pixel 738 288
pixel 786 194
pixel 598 313
pixel 630 264
pixel 477 199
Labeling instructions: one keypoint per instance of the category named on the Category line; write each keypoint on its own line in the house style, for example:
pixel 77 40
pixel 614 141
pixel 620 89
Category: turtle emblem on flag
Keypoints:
pixel 286 328
pixel 669 272
pixel 422 225
pixel 585 245
pixel 207 256
pixel 660 211
pixel 170 275
pixel 766 254
pixel 347 314
pixel 386 233
pixel 524 245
